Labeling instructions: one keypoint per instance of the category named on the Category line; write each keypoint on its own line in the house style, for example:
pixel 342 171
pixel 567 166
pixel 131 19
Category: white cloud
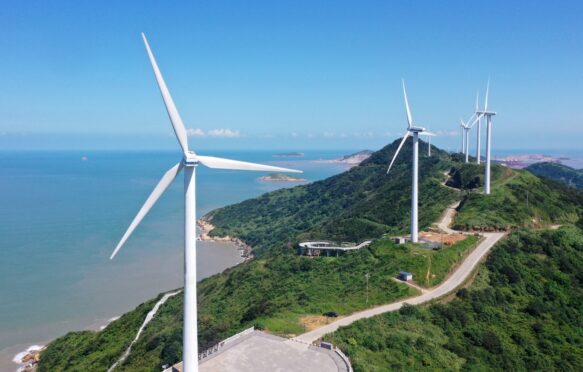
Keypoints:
pixel 221 132
pixel 195 132
pixel 224 132
pixel 447 133
pixel 363 134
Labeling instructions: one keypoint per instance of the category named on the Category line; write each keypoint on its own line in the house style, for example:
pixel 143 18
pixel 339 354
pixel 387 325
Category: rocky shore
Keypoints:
pixel 206 227
pixel 29 359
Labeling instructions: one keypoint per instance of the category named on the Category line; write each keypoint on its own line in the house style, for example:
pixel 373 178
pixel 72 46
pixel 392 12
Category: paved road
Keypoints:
pixel 455 280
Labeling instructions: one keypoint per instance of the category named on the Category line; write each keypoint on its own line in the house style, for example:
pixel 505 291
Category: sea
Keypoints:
pixel 63 212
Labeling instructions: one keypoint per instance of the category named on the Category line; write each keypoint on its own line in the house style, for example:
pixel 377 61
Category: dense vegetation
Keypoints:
pixel 359 204
pixel 558 172
pixel 524 311
pixel 278 289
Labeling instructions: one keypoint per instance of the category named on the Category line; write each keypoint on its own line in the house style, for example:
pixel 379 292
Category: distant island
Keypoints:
pixel 350 160
pixel 523 161
pixel 279 177
pixel 289 155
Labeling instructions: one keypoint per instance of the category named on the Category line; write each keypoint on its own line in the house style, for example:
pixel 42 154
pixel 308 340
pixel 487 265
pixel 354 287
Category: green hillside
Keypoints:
pixel 277 288
pixel 359 204
pixel 558 172
pixel 523 312
pixel 518 199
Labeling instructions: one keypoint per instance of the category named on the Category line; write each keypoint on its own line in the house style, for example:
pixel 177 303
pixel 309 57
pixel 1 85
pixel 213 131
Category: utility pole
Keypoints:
pixel 367 276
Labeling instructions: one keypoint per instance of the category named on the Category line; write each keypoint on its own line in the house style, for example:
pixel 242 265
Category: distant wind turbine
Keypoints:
pixel 414 131
pixel 477 120
pixel 488 115
pixel 428 135
pixel 189 163
pixel 479 131
pixel 465 137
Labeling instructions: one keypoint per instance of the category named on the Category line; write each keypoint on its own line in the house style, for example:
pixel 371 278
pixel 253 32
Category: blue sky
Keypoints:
pixel 287 75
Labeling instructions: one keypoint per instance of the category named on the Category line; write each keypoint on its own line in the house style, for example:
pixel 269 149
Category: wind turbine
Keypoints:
pixel 479 131
pixel 428 135
pixel 465 137
pixel 488 115
pixel 414 131
pixel 188 163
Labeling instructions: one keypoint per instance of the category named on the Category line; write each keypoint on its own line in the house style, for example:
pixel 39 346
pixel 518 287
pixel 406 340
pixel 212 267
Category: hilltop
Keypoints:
pixel 558 172
pixel 283 292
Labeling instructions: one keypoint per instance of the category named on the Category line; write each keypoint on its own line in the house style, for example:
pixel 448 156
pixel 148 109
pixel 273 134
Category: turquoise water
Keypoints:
pixel 61 217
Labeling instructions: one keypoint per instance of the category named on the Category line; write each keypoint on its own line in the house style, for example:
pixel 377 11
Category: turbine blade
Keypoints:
pixel 407 134
pixel 175 119
pixel 409 116
pixel 220 163
pixel 478 117
pixel 487 92
pixel 427 133
pixel 477 99
pixel 162 185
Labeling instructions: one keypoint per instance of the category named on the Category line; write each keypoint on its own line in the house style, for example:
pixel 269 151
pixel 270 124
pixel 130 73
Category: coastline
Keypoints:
pixel 246 251
pixel 26 359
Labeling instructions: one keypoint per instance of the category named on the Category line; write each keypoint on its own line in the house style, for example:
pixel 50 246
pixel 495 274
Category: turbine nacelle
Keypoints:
pixel 486 113
pixel 190 159
pixel 417 129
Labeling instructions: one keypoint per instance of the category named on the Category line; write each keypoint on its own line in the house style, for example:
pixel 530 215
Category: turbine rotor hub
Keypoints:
pixel 190 159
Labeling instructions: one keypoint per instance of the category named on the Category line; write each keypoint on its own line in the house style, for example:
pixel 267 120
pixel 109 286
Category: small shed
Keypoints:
pixel 405 276
pixel 400 240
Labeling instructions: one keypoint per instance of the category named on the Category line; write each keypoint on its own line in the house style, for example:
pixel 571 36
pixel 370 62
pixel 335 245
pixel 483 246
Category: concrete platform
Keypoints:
pixel 262 352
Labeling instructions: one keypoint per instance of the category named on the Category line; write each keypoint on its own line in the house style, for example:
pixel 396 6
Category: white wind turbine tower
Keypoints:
pixel 414 131
pixel 465 137
pixel 189 163
pixel 488 115
pixel 479 131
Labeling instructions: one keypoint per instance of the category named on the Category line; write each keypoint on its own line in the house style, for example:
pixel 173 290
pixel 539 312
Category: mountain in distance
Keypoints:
pixel 289 155
pixel 558 172
pixel 280 291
